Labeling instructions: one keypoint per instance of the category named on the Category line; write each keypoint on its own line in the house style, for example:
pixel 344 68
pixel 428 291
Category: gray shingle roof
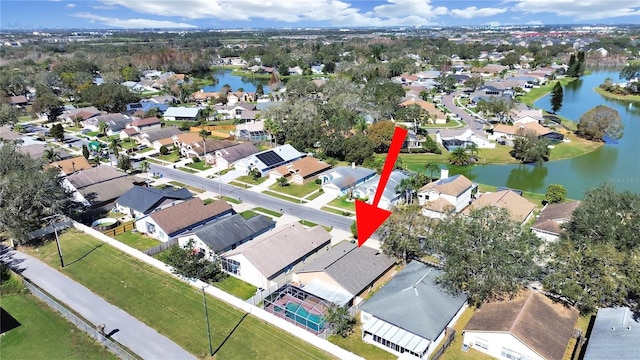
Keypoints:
pixel 414 302
pixel 144 199
pixel 352 267
pixel 344 176
pixel 162 133
pixel 615 335
pixel 226 232
pixel 94 176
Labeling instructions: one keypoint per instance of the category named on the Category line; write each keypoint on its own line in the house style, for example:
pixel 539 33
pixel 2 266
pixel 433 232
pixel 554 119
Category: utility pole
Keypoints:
pixel 206 314
pixel 51 220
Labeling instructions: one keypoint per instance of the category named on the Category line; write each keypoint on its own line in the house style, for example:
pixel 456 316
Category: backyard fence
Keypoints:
pixel 120 229
pixel 451 334
pixel 79 322
pixel 162 247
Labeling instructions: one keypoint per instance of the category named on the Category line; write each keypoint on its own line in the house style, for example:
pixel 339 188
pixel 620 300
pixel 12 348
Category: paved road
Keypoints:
pixel 258 199
pixel 132 333
pixel 471 121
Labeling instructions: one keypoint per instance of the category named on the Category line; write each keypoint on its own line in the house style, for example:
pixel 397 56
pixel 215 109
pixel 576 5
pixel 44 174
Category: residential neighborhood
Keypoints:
pixel 198 193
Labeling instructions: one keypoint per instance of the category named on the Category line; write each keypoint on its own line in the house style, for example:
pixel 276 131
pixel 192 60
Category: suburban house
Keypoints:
pixel 529 326
pixel 409 315
pixel 99 186
pixel 519 208
pixel 115 123
pixel 142 107
pixel 169 222
pixel 341 179
pixel 301 171
pixel 141 200
pixel 128 133
pixel 269 159
pixel 80 113
pixel 18 101
pixel 150 137
pixel 227 157
pixel 447 194
pixel 70 166
pixel 615 335
pixel 226 234
pixel 510 132
pixel 252 131
pixel 346 273
pixel 389 197
pixel 146 124
pixel 269 258
pixel 191 145
pixel 451 138
pixel 549 223
pixel 436 116
pixel 181 114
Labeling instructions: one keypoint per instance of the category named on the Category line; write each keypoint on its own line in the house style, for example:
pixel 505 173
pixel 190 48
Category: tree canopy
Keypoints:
pixel 404 233
pixel 556 98
pixel 528 148
pixel 189 262
pixel 600 122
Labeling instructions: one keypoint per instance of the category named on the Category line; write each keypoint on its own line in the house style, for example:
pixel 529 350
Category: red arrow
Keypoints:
pixel 369 217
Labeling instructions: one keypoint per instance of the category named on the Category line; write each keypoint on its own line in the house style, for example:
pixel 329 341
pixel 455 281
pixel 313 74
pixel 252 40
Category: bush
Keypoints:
pixel 318 182
pixel 196 159
pixel 184 126
pixel 164 150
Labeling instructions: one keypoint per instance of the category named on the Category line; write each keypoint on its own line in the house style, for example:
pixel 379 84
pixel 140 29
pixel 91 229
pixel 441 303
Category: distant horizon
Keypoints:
pixel 294 14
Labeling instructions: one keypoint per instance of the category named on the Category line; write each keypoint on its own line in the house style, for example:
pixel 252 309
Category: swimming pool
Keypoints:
pixel 300 315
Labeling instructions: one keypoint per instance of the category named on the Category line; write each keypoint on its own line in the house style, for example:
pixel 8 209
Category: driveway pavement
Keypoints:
pixel 129 331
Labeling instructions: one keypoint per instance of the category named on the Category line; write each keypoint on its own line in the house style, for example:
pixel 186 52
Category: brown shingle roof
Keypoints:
pixel 553 215
pixel 519 207
pixel 541 324
pixel 187 213
pixel 188 138
pixel 146 121
pixel 72 165
pixel 453 186
pixel 303 167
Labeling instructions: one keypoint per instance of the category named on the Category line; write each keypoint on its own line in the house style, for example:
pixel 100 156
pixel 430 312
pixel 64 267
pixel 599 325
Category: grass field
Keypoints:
pixel 354 343
pixel 576 147
pixel 541 91
pixel 171 307
pixel 248 214
pixel 296 190
pixel 342 203
pixel 336 211
pixel 237 287
pixel 173 156
pixel 250 180
pixel 268 211
pixel 199 165
pixel 44 334
pixel 137 240
pixel 232 200
pixel 284 197
pixel 313 195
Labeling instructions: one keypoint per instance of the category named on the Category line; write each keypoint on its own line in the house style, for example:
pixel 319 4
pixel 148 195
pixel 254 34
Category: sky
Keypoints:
pixel 207 14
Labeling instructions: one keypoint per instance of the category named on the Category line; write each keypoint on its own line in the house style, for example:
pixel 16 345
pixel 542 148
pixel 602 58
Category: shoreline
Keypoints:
pixel 633 99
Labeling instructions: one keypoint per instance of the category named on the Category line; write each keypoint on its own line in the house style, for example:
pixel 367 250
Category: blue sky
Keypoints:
pixel 123 14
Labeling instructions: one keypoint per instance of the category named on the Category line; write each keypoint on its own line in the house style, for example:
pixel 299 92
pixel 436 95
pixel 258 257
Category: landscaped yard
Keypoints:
pixel 336 211
pixel 237 287
pixel 342 203
pixel 248 214
pixel 454 351
pixel 232 200
pixel 44 334
pixel 539 92
pixel 199 165
pixel 250 180
pixel 170 306
pixel 576 147
pixel 354 343
pixel 137 240
pixel 314 195
pixel 296 190
pixel 173 156
pixel 284 197
pixel 268 211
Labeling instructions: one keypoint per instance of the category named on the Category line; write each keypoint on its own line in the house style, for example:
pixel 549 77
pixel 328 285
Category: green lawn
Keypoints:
pixel 232 200
pixel 44 334
pixel 314 195
pixel 248 214
pixel 354 343
pixel 173 156
pixel 454 351
pixel 199 165
pixel 186 169
pixel 170 306
pixel 576 147
pixel 296 190
pixel 93 133
pixel 250 180
pixel 239 184
pixel 268 211
pixel 208 201
pixel 632 98
pixel 342 203
pixel 336 211
pixel 541 91
pixel 137 240
pixel 237 287
pixel 284 197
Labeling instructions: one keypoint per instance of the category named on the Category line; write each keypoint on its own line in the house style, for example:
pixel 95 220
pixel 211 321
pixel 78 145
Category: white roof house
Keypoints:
pixel 181 113
pixel 269 159
pixel 389 195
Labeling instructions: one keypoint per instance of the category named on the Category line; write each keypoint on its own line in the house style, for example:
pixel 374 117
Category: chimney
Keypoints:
pixel 353 164
pixel 444 173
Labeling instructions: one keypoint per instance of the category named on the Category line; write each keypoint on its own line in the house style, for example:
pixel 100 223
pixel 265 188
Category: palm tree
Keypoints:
pixel 273 128
pixel 473 150
pixel 114 145
pixel 50 155
pixel 406 187
pixel 459 157
pixel 144 167
pixel 103 127
pixel 76 121
pixel 203 134
pixel 431 168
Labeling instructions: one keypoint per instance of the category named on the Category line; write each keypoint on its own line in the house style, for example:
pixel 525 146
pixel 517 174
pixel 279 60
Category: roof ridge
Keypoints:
pixel 526 303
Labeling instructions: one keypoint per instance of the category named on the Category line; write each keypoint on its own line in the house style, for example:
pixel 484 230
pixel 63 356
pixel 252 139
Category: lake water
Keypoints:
pixel 617 163
pixel 236 82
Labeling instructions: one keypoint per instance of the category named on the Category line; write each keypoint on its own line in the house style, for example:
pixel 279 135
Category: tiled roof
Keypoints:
pixel 532 318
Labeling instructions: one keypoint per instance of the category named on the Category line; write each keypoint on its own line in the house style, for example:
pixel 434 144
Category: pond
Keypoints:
pixel 225 77
pixel 617 163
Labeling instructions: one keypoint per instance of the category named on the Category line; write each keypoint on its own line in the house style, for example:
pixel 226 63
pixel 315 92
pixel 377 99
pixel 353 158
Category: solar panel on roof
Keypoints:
pixel 269 158
pixel 136 106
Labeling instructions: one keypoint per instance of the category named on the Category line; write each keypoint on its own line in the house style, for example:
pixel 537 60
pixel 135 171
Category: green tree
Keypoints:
pixel 381 134
pixel 203 135
pixel 57 132
pixel 339 320
pixel 259 90
pixel 8 114
pixel 357 148
pixel 28 191
pixel 487 255
pixel 103 127
pixel 282 181
pixel 596 261
pixel 403 234
pixel 112 98
pixel 85 151
pixel 474 82
pixel 460 157
pixel 124 162
pixel 255 174
pixel 431 168
pixel 329 67
pixel 144 167
pixel 46 103
pixel 130 73
pixel 630 71
pixel 164 150
pixel 600 122
pixel 354 229
pixel 556 97
pixel 188 261
pixel 528 148
pixel 556 193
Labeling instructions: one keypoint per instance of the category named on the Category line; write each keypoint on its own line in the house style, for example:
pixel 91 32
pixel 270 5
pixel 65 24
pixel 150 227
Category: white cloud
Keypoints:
pixel 580 9
pixel 132 23
pixel 535 22
pixel 70 5
pixel 474 12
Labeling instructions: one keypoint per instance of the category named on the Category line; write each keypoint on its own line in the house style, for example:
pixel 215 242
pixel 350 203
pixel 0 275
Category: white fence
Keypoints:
pixel 292 329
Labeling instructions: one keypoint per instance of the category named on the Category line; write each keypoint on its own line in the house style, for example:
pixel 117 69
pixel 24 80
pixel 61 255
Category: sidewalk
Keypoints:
pixel 129 331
